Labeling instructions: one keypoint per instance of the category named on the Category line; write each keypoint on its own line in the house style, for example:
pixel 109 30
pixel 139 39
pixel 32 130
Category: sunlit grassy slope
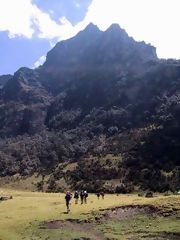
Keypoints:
pixel 20 183
pixel 20 216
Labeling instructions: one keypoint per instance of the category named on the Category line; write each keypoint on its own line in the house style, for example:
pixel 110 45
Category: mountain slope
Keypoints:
pixel 102 112
pixel 4 79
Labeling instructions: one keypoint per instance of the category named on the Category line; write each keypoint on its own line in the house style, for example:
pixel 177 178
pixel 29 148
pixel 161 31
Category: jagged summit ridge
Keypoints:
pixel 92 46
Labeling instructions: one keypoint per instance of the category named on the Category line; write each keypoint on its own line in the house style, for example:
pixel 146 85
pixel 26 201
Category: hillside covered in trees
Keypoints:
pixel 102 112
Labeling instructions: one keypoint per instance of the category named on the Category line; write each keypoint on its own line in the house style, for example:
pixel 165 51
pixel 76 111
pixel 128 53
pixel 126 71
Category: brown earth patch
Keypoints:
pixel 159 236
pixel 84 226
pixel 129 211
pixel 124 212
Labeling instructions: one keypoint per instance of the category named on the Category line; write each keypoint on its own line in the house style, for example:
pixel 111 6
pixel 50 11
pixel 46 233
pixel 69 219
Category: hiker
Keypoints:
pixel 82 196
pixel 98 195
pixel 85 196
pixel 68 199
pixel 102 195
pixel 76 196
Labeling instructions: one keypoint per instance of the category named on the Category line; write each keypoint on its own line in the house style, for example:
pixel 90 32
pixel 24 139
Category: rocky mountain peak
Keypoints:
pixel 114 28
pixel 91 46
pixel 91 27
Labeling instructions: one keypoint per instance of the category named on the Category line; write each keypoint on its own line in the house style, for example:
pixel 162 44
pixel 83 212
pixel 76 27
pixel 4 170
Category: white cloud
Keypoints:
pixel 48 28
pixel 23 18
pixel 39 62
pixel 155 21
pixel 15 17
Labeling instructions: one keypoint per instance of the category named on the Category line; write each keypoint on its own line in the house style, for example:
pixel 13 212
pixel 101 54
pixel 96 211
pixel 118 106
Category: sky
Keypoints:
pixel 30 28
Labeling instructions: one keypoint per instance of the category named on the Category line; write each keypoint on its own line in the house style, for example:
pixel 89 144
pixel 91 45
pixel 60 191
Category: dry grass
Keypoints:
pixel 19 214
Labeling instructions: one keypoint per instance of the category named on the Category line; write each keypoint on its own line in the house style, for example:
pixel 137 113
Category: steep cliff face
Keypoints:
pixel 93 48
pixel 98 94
pixel 24 103
pixel 25 87
pixel 93 53
pixel 4 79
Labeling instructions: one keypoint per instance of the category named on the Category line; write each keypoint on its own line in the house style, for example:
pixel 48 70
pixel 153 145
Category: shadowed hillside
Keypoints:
pixel 102 112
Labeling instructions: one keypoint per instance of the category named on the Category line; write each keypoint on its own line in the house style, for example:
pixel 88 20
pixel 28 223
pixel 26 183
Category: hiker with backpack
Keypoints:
pixel 82 196
pixel 85 196
pixel 76 197
pixel 68 199
pixel 102 195
pixel 98 195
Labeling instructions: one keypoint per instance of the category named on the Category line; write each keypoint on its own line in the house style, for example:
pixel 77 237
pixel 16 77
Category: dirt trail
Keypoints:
pixel 78 226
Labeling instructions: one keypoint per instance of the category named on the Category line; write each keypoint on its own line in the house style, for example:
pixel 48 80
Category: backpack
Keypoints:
pixel 76 195
pixel 86 194
pixel 82 194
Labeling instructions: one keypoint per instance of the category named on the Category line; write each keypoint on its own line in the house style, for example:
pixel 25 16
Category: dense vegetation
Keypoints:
pixel 102 112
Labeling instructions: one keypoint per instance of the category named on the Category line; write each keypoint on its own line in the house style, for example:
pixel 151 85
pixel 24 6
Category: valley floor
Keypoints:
pixel 35 216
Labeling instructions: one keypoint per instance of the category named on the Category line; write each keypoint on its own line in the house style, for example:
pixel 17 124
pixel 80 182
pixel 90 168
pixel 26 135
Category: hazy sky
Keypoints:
pixel 29 28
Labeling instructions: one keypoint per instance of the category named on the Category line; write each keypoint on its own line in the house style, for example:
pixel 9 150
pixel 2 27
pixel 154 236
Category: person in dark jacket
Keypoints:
pixel 82 197
pixel 98 195
pixel 68 199
pixel 102 195
pixel 85 196
pixel 76 197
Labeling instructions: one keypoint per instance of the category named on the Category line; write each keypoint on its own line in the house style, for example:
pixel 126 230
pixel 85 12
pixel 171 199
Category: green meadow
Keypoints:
pixel 26 215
